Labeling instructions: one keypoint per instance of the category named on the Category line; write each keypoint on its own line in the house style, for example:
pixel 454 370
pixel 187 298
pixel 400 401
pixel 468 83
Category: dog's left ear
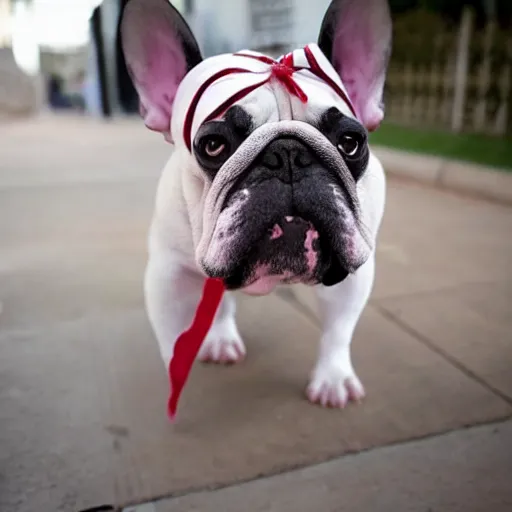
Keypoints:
pixel 160 50
pixel 356 38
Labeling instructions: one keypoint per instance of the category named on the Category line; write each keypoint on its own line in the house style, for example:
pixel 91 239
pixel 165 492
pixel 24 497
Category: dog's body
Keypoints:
pixel 271 180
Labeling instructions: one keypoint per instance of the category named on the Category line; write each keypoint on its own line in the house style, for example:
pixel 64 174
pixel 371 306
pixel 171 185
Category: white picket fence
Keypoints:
pixel 456 79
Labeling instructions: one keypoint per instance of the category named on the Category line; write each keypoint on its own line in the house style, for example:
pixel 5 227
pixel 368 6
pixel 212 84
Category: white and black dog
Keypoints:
pixel 271 180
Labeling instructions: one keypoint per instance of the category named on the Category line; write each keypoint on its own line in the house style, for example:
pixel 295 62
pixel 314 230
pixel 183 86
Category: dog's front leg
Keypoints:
pixel 172 293
pixel 333 381
pixel 223 344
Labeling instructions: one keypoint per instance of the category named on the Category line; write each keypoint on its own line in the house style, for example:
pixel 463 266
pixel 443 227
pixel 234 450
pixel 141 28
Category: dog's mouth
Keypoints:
pixel 291 251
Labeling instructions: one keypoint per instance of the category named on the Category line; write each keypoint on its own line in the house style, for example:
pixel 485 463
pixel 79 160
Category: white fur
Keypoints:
pixel 188 205
pixel 173 286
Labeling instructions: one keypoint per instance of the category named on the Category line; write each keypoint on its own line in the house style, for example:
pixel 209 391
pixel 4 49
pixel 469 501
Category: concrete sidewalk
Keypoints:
pixel 82 389
pixel 464 471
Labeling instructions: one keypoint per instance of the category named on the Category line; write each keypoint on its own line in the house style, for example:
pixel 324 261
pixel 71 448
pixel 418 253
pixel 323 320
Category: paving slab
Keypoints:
pixel 72 249
pixel 82 389
pixel 471 324
pixel 435 241
pixel 465 471
pixel 58 150
pixel 83 404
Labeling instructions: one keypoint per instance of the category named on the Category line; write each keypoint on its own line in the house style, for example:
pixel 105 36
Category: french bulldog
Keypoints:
pixel 271 180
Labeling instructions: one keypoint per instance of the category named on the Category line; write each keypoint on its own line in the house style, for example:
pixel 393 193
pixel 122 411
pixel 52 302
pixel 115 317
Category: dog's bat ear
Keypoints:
pixel 356 38
pixel 159 50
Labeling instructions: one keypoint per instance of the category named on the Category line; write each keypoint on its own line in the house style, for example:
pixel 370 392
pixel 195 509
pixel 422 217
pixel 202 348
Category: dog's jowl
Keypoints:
pixel 271 181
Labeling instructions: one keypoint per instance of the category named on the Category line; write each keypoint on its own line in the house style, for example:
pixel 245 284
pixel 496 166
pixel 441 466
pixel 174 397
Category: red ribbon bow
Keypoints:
pixel 284 74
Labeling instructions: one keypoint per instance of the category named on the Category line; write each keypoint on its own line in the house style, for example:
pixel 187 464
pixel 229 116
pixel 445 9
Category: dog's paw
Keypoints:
pixel 223 345
pixel 334 386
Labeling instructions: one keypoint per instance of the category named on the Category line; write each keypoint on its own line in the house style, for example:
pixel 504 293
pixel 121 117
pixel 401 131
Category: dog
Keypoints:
pixel 271 180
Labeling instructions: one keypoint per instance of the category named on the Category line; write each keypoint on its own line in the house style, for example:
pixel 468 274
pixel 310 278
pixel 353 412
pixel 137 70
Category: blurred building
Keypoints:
pixel 43 54
pixel 68 54
pixel 21 84
pixel 271 26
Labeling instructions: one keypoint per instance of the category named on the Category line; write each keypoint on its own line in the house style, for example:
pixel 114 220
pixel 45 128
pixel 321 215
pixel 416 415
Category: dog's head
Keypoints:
pixel 278 148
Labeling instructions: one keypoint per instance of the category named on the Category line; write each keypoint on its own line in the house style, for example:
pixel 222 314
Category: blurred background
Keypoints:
pixel 451 68
pixel 82 388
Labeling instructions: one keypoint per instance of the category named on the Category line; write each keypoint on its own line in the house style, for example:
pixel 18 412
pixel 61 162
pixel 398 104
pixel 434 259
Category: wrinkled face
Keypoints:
pixel 283 203
pixel 282 171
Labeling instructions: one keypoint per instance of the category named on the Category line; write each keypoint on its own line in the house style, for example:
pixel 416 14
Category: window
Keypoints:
pixel 271 22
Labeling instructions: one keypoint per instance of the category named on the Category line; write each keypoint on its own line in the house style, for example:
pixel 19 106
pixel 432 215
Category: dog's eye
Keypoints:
pixel 215 145
pixel 349 144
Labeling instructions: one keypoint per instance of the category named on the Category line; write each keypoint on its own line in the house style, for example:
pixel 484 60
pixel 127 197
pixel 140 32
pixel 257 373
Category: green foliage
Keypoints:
pixel 451 9
pixel 419 36
pixel 481 149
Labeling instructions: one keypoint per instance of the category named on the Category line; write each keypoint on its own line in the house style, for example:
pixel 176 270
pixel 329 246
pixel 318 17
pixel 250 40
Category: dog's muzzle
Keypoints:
pixel 287 218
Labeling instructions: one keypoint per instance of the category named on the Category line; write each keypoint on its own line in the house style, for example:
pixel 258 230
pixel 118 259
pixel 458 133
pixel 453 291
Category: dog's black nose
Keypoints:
pixel 287 155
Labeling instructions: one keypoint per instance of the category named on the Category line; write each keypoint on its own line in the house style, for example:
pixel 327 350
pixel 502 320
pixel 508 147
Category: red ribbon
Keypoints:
pixel 281 70
pixel 284 74
pixel 189 342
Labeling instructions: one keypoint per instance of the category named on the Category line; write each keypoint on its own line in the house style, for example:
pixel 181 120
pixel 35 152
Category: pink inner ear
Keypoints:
pixel 361 48
pixel 157 64
pixel 367 99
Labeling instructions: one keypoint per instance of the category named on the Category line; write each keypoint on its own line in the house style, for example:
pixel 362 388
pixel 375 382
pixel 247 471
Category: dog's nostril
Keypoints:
pixel 287 155
pixel 302 159
pixel 279 159
pixel 273 160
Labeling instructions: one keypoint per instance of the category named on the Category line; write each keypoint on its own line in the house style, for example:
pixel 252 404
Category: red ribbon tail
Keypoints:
pixel 189 342
pixel 301 94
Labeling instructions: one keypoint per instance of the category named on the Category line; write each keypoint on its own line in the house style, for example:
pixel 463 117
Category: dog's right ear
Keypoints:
pixel 159 49
pixel 356 38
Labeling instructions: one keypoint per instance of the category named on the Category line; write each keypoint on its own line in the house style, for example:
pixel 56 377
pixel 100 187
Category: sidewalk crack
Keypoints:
pixel 424 340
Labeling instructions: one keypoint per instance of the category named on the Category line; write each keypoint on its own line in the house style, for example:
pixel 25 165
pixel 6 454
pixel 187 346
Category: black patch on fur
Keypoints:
pixel 239 121
pixel 188 41
pixel 233 129
pixel 327 30
pixel 334 125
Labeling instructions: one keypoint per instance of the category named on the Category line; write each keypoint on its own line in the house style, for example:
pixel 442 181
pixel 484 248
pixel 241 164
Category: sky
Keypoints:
pixel 65 23
pixel 59 24
pixel 62 23
pixel 55 24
